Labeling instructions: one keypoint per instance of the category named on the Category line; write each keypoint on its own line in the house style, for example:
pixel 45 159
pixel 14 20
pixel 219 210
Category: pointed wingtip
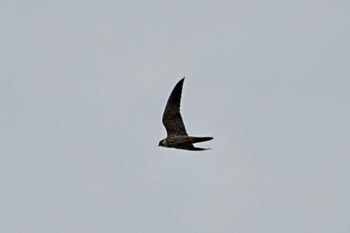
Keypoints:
pixel 181 81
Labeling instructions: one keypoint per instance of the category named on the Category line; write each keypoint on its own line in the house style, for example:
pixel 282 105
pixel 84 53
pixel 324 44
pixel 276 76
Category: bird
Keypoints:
pixel 177 136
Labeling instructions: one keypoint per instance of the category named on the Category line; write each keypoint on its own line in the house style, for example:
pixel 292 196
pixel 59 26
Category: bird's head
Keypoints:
pixel 162 143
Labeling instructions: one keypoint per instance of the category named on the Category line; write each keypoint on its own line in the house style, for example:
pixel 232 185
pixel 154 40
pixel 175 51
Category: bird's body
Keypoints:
pixel 177 136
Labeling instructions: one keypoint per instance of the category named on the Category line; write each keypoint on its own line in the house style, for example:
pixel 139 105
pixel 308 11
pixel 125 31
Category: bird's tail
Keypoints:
pixel 200 149
pixel 200 139
pixel 191 147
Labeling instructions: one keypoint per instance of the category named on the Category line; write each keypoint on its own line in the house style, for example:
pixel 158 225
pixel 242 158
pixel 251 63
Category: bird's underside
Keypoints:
pixel 185 142
pixel 177 136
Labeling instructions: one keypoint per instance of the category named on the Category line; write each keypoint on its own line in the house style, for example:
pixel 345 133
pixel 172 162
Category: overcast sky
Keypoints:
pixel 83 86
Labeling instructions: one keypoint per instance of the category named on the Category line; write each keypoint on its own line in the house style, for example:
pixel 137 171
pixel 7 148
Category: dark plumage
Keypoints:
pixel 177 136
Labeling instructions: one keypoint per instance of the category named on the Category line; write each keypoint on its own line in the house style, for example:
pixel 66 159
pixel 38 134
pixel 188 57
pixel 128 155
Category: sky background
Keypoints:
pixel 83 86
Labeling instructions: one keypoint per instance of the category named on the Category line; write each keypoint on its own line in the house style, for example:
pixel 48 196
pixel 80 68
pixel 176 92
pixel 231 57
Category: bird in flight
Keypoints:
pixel 177 136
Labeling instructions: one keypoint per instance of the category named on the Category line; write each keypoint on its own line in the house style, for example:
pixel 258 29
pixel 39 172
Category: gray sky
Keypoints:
pixel 83 85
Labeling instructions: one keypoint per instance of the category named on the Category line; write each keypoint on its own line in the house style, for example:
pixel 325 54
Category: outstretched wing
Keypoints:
pixel 172 119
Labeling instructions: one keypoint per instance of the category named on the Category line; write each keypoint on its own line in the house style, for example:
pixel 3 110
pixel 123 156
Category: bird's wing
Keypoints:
pixel 172 119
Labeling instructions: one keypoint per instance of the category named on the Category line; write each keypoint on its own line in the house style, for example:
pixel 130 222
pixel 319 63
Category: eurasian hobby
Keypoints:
pixel 177 136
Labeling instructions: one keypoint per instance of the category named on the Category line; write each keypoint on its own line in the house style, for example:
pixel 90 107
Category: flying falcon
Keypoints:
pixel 177 136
